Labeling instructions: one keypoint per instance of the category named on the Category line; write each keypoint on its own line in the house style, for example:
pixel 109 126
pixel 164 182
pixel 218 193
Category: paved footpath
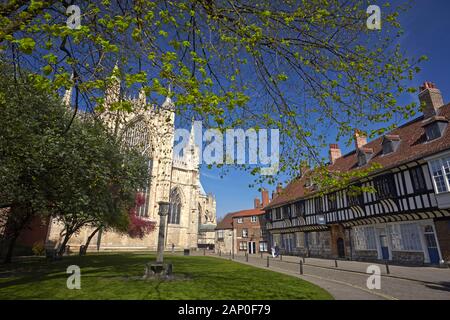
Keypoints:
pixel 348 280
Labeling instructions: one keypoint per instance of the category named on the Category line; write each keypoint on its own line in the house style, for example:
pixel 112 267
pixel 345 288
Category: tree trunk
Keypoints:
pixel 62 248
pixel 10 249
pixel 16 222
pixel 86 245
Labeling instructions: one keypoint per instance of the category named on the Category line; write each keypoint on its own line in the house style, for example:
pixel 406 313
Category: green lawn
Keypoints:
pixel 117 276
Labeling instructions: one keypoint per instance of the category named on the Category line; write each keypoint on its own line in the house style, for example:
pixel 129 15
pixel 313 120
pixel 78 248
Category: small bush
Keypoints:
pixel 39 248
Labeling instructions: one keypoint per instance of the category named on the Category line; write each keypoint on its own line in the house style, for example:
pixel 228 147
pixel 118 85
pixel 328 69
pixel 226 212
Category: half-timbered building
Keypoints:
pixel 406 215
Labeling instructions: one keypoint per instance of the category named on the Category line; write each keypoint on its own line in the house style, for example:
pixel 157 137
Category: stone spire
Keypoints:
pixel 68 98
pixel 112 92
pixel 142 100
pixel 68 95
pixel 167 104
pixel 193 149
pixel 164 122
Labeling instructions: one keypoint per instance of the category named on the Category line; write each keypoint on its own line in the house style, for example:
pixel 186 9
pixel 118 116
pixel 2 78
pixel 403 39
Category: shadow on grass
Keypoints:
pixel 35 270
pixel 118 275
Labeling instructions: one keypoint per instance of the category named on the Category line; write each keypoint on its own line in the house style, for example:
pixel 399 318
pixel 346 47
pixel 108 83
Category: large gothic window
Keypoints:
pixel 175 207
pixel 142 210
pixel 136 135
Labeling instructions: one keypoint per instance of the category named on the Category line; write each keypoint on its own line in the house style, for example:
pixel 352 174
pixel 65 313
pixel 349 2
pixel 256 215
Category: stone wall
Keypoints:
pixel 410 258
pixel 320 252
pixel 225 244
pixel 365 255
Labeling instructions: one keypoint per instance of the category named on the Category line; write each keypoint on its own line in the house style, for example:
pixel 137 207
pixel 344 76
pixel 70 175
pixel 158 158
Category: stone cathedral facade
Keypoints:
pixel 173 178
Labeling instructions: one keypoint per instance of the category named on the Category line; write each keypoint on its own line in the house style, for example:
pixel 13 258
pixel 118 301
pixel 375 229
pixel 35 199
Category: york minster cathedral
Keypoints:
pixel 173 178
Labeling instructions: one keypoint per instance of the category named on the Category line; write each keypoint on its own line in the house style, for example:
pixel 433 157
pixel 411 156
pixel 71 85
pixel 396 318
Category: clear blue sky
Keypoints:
pixel 427 32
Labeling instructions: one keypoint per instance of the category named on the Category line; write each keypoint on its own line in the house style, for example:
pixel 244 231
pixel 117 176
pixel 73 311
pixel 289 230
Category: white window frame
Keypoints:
pixel 439 158
pixel 263 246
pixel 240 220
pixel 254 219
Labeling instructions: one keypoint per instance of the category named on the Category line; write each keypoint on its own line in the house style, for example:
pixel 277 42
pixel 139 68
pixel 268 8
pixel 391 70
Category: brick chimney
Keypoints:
pixel 279 188
pixel 335 152
pixel 265 197
pixel 360 139
pixel 257 203
pixel 304 167
pixel 431 99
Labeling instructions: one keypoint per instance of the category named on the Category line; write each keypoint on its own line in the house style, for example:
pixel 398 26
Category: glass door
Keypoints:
pixel 251 247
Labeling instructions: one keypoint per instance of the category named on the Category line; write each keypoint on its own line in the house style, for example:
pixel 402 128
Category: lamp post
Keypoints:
pixel 163 212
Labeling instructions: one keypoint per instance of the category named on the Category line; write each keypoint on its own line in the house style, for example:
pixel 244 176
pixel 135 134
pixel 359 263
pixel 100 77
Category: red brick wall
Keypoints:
pixel 443 235
pixel 254 231
pixel 336 232
pixel 36 232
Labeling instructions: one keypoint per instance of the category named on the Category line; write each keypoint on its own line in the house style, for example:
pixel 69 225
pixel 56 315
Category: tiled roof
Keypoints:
pixel 249 212
pixel 413 146
pixel 226 222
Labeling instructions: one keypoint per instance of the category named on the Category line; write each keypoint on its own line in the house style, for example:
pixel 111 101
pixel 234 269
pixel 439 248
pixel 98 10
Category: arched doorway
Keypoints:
pixel 341 248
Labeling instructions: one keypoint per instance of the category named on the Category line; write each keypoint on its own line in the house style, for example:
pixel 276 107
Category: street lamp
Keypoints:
pixel 163 212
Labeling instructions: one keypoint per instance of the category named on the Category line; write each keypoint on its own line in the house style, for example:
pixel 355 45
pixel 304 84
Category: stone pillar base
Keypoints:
pixel 153 270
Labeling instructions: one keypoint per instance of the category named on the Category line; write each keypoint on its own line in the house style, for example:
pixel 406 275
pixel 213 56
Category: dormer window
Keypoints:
pixel 364 156
pixel 309 182
pixel 435 127
pixel 390 143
